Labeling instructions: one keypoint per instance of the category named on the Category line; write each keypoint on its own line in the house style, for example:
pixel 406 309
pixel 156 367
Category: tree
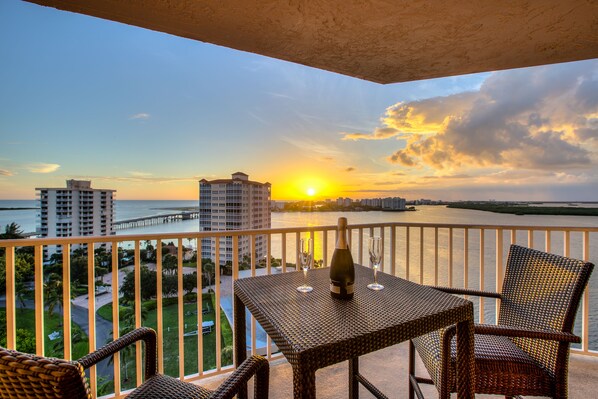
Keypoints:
pixel 170 285
pixel 169 264
pixel 147 282
pixel 227 355
pixel 127 318
pixel 23 271
pixel 189 282
pixel 55 258
pixel 12 231
pixel 79 269
pixel 53 292
pixel 208 272
pixel 25 338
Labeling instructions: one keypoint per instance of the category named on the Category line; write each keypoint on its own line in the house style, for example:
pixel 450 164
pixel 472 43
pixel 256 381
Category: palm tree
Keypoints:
pixel 208 270
pixel 58 346
pixel 12 231
pixel 128 324
pixel 53 291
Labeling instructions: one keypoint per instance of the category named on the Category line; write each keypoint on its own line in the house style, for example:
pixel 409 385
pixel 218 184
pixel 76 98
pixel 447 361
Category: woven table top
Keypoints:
pixel 314 330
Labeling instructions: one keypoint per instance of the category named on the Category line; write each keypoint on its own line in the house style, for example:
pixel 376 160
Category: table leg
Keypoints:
pixel 465 360
pixel 353 382
pixel 304 383
pixel 240 339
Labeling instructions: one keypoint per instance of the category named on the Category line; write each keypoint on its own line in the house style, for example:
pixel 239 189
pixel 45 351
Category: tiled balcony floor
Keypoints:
pixel 387 369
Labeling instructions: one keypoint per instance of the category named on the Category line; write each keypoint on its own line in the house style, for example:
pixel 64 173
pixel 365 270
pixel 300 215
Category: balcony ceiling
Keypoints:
pixel 384 41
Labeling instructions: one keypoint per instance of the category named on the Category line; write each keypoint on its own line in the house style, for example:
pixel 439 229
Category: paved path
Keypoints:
pixel 226 304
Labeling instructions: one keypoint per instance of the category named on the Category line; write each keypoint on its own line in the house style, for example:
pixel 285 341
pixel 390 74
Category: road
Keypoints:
pixel 79 316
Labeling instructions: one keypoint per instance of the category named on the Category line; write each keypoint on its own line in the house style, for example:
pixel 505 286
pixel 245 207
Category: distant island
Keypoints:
pixel 525 209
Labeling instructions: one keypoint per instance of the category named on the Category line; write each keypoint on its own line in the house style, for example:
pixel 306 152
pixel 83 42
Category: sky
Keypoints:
pixel 150 114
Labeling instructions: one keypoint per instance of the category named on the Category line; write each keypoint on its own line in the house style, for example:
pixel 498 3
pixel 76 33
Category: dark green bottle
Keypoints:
pixel 342 271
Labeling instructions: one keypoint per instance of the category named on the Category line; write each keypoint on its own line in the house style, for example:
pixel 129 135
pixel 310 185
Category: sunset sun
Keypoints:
pixel 311 192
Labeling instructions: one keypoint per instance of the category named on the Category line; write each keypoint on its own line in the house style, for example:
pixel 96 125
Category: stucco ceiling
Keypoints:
pixel 384 41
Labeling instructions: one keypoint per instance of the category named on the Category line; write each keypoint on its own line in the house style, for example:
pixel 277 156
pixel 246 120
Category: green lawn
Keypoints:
pixel 171 339
pixel 26 321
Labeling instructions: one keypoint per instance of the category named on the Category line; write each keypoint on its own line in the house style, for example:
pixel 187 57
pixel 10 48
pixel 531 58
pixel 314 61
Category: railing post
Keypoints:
pixel 115 316
pixel 498 270
pixel 283 260
pixel 383 247
pixel 548 241
pixel 421 255
pixel 482 261
pixel 407 253
pixel 39 300
pixel 466 258
pixel 585 305
pixel 66 301
pixel 435 255
pixel 11 323
pixel 91 312
pixel 159 311
pixel 217 306
pixel 393 247
pixel 324 248
pixel 450 261
pixel 180 309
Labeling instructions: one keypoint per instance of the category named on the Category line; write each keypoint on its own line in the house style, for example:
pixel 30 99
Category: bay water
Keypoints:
pixel 410 264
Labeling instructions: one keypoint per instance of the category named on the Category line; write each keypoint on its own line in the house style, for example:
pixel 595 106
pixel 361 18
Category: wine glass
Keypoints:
pixel 305 260
pixel 375 249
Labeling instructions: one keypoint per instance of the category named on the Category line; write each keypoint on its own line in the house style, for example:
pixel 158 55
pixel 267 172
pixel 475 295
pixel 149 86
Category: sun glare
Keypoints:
pixel 311 192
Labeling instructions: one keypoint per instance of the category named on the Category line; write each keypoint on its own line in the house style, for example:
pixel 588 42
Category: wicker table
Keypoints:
pixel 313 330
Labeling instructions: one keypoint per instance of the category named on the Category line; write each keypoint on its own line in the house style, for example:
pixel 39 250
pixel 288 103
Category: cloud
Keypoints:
pixel 4 172
pixel 141 115
pixel 350 169
pixel 135 173
pixel 310 146
pixel 42 167
pixel 542 118
pixel 140 178
pixel 380 133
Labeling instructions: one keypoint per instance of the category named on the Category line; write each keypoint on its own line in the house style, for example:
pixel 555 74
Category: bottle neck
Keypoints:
pixel 341 242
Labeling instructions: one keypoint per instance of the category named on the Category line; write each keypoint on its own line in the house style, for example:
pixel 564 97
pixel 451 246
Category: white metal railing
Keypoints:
pixel 461 255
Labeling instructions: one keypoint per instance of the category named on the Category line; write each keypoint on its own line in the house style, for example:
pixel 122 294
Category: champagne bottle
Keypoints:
pixel 342 271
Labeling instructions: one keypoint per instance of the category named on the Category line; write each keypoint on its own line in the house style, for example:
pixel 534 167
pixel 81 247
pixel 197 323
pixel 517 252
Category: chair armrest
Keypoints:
pixel 144 333
pixel 510 331
pixel 255 365
pixel 466 291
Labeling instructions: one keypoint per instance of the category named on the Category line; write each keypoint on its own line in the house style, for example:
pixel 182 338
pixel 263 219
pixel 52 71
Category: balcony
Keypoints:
pixel 435 254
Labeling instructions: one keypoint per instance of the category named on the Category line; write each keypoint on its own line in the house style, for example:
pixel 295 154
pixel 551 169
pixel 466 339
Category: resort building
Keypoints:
pixel 77 210
pixel 233 204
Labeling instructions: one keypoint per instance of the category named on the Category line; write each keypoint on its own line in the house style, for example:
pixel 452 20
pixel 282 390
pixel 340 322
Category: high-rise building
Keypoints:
pixel 77 210
pixel 233 204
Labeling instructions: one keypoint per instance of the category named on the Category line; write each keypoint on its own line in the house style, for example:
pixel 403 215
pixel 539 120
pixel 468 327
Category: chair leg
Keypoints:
pixel 411 368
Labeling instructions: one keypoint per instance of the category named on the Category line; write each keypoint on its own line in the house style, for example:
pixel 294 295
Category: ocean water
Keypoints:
pixel 425 214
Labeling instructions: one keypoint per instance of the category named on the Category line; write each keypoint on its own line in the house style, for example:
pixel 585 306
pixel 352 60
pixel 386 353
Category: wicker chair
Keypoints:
pixel 29 376
pixel 527 352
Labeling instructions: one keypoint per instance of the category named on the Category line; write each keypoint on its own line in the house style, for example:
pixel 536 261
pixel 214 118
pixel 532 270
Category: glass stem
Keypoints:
pixel 305 277
pixel 376 275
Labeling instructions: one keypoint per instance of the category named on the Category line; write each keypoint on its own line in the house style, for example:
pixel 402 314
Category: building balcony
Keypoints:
pixel 463 255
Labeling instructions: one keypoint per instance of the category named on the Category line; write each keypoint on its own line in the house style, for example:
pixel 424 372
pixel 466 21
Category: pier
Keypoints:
pixel 156 219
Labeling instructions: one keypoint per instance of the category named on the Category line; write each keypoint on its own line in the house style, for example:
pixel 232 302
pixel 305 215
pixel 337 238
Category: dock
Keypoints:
pixel 155 219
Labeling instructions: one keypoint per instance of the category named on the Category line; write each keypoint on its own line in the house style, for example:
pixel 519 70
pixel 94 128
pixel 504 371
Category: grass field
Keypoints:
pixel 26 320
pixel 171 337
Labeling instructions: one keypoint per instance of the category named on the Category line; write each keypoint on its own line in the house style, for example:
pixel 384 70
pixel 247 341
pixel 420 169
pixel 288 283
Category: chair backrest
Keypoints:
pixel 542 291
pixel 29 376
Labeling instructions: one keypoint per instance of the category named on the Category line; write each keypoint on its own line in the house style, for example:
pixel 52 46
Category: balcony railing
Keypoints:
pixel 458 255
